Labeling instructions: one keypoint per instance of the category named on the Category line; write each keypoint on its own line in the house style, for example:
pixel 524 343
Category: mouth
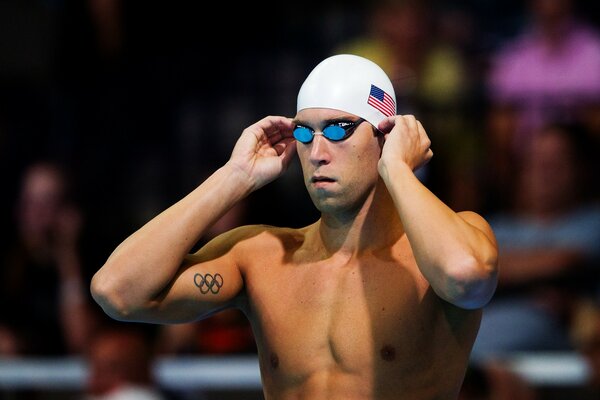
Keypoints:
pixel 319 180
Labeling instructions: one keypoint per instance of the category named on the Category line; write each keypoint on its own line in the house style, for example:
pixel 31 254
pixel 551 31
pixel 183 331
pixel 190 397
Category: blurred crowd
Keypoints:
pixel 112 110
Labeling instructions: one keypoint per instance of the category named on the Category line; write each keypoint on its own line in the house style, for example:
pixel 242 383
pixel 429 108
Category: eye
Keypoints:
pixel 303 134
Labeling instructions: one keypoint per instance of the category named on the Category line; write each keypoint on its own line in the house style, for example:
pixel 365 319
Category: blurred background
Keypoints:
pixel 112 110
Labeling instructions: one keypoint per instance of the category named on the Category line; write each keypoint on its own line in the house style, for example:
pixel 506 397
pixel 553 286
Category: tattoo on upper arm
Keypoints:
pixel 208 283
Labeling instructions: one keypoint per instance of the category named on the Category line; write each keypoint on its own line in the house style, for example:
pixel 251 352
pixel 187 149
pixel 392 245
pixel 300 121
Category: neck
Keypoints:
pixel 374 225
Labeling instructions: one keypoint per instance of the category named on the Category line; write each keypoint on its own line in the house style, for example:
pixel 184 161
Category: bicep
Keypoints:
pixel 208 281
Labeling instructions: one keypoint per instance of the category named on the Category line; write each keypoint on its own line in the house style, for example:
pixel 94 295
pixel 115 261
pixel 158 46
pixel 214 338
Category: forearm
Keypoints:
pixel 456 257
pixel 147 261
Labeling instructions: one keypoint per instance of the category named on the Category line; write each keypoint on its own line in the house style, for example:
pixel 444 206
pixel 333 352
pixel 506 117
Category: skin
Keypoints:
pixel 379 299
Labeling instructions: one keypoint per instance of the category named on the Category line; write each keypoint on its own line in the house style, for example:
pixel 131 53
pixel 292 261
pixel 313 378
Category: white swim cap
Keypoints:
pixel 352 84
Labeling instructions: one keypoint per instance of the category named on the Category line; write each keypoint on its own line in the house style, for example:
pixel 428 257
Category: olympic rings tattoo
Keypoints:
pixel 208 283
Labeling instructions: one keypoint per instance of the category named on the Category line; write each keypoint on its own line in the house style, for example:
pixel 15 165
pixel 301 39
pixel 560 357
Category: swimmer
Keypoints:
pixel 380 298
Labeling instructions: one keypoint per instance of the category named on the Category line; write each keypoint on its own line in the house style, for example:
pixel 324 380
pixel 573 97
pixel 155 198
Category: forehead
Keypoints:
pixel 316 115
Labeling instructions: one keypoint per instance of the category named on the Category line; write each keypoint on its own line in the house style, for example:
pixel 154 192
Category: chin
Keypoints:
pixel 333 205
pixel 324 203
pixel 336 201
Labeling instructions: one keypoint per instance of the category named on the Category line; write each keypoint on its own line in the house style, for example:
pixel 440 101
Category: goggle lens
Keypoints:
pixel 334 132
pixel 303 134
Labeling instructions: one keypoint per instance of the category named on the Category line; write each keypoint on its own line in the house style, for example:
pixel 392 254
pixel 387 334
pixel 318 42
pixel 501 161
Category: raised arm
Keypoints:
pixel 152 277
pixel 456 252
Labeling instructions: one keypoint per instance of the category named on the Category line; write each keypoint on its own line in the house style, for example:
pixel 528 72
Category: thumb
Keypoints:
pixel 386 125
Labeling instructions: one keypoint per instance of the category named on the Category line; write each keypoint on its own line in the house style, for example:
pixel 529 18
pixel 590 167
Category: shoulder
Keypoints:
pixel 249 239
pixel 267 239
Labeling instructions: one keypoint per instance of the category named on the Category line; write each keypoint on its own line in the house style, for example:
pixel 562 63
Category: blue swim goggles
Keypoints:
pixel 335 131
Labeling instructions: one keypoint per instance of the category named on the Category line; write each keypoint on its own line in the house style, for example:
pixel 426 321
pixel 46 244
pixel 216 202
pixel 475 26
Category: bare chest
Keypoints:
pixel 363 316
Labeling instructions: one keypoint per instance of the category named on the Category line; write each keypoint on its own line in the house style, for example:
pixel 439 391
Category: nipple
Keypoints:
pixel 388 353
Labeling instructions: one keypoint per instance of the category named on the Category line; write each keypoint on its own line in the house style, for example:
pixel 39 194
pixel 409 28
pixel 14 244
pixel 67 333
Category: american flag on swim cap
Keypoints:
pixel 381 101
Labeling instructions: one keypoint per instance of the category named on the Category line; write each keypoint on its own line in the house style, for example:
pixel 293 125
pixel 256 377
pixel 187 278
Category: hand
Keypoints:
pixel 405 142
pixel 264 150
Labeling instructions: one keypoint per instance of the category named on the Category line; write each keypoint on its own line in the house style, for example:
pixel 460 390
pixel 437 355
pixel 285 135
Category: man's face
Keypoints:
pixel 40 200
pixel 338 175
pixel 551 172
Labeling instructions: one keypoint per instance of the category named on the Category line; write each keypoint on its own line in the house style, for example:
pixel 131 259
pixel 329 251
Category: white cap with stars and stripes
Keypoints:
pixel 352 84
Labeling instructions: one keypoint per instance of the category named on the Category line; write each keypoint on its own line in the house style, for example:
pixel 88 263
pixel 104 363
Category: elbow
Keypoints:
pixel 105 292
pixel 472 283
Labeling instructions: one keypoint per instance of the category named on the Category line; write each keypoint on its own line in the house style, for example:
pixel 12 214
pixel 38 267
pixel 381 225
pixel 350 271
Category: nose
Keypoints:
pixel 319 150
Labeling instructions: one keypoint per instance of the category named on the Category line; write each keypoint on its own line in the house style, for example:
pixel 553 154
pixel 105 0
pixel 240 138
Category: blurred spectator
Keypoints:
pixel 551 71
pixel 427 50
pixel 493 381
pixel 448 99
pixel 548 245
pixel 227 332
pixel 397 38
pixel 44 308
pixel 501 159
pixel 585 331
pixel 120 361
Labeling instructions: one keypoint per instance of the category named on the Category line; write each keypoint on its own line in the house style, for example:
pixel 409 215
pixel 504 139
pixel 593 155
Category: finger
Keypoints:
pixel 274 124
pixel 280 144
pixel 288 128
pixel 286 149
pixel 411 122
pixel 426 142
pixel 428 156
pixel 275 137
pixel 262 130
pixel 421 128
pixel 387 124
pixel 280 133
pixel 416 128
